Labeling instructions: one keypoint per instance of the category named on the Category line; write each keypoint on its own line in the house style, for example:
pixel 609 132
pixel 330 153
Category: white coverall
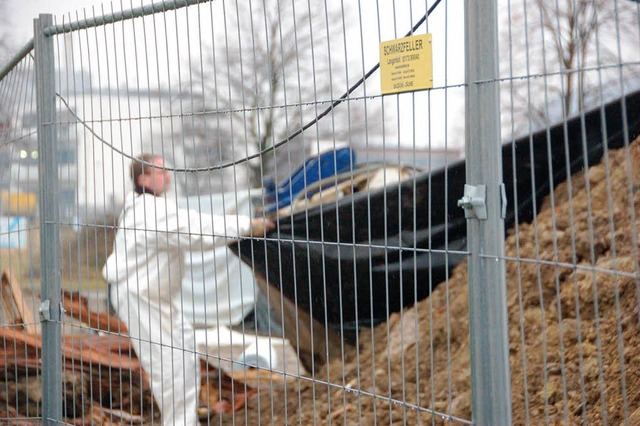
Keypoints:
pixel 146 270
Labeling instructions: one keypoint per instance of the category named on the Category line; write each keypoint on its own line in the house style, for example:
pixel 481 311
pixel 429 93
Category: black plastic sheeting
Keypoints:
pixel 351 263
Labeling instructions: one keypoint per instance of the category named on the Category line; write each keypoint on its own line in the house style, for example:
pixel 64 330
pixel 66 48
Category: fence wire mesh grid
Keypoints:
pixel 210 213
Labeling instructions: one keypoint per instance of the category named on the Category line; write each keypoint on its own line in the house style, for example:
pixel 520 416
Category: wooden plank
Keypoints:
pixel 28 349
pixel 252 376
pixel 106 416
pixel 10 315
pixel 76 307
pixel 12 292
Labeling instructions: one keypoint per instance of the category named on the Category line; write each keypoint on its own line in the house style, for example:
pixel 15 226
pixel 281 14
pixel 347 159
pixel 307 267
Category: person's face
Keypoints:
pixel 156 180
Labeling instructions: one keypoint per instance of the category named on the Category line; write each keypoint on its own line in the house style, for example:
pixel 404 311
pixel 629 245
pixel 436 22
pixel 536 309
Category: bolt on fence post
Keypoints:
pixel 488 322
pixel 50 310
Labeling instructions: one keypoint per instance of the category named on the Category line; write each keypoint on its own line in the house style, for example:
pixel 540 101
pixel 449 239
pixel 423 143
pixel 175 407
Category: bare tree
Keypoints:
pixel 562 55
pixel 274 68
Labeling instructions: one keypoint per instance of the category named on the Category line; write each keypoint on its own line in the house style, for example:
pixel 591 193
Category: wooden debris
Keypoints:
pixel 106 417
pixel 219 393
pixel 209 393
pixel 103 381
pixel 15 310
pixel 77 307
pixel 252 376
pixel 22 349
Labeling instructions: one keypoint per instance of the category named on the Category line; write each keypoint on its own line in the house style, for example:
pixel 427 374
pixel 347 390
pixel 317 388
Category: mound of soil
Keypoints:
pixel 573 322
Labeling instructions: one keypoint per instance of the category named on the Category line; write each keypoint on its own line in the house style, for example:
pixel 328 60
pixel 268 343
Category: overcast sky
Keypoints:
pixel 22 12
pixel 443 106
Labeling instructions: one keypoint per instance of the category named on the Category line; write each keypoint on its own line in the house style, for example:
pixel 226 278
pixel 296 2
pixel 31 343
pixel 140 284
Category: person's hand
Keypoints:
pixel 260 226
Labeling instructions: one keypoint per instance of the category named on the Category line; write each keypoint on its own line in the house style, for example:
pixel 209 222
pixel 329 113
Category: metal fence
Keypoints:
pixel 392 279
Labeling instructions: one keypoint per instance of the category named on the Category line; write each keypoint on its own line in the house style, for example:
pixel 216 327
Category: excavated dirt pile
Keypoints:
pixel 574 330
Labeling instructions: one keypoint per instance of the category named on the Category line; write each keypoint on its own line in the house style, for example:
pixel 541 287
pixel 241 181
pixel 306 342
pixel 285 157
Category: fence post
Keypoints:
pixel 50 308
pixel 483 202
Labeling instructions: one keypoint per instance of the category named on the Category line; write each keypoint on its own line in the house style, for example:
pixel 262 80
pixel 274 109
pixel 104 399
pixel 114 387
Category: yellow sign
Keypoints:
pixel 406 64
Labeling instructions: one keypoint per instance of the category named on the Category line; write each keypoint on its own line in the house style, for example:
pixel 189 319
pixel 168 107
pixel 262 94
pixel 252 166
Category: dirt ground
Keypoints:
pixel 573 329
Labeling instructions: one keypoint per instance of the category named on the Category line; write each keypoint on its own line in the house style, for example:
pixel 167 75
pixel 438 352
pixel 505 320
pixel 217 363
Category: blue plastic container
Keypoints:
pixel 313 170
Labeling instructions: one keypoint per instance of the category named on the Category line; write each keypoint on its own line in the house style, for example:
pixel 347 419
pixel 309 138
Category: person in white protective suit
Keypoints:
pixel 145 271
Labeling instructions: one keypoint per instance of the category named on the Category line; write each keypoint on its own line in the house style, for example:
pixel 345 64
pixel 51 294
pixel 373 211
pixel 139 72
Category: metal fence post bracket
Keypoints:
pixel 503 202
pixel 45 311
pixel 474 202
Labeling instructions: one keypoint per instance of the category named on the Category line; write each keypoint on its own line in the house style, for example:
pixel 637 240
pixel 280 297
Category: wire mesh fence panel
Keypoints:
pixel 172 125
pixel 19 244
pixel 249 226
pixel 570 81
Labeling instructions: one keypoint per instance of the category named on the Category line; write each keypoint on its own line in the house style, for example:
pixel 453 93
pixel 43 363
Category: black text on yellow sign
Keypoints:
pixel 406 64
